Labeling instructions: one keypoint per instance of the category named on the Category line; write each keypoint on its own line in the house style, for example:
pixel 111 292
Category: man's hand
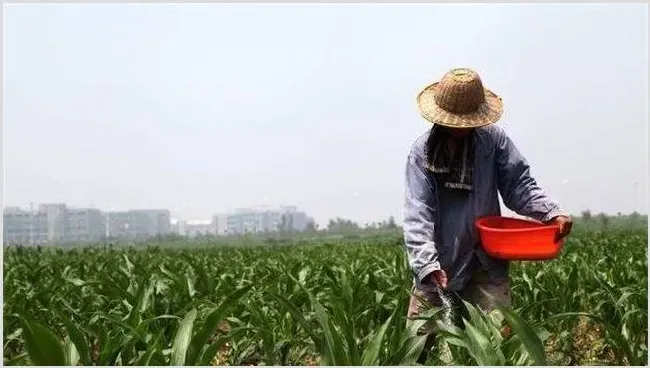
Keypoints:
pixel 438 278
pixel 565 223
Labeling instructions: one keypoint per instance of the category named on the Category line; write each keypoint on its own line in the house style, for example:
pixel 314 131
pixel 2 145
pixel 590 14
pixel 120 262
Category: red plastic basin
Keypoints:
pixel 518 240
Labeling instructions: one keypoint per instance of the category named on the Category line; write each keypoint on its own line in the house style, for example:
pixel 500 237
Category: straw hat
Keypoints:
pixel 459 100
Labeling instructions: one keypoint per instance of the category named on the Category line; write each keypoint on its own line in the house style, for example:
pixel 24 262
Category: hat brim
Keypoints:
pixel 489 112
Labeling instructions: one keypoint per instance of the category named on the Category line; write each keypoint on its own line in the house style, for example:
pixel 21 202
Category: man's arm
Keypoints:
pixel 419 221
pixel 518 188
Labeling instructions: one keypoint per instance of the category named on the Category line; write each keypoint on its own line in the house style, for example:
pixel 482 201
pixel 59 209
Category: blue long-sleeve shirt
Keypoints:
pixel 439 223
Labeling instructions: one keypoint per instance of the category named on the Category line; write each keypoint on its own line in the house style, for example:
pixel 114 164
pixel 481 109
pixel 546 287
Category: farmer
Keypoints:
pixel 454 173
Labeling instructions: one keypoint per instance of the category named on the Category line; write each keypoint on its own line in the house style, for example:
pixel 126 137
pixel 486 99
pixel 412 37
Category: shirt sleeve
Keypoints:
pixel 419 228
pixel 519 190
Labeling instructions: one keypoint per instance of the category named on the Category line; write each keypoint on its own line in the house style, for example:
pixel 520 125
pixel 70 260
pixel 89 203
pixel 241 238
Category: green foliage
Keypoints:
pixel 337 302
pixel 602 222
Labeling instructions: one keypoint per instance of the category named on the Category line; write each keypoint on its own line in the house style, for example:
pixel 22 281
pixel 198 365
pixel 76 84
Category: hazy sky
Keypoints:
pixel 205 108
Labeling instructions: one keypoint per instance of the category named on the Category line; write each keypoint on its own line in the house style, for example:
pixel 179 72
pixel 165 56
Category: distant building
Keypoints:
pixel 235 224
pixel 16 227
pixel 300 220
pixel 55 217
pixel 220 224
pixel 249 222
pixel 13 210
pixel 261 220
pixel 120 225
pixel 269 220
pixel 175 227
pixel 55 223
pixel 139 224
pixel 194 228
pixel 182 227
pixel 52 224
pixel 199 228
pixel 156 222
pixel 84 225
pixel 40 229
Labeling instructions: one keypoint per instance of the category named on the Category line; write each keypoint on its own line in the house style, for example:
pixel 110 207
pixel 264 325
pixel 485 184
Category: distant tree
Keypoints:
pixel 283 223
pixel 391 223
pixel 340 225
pixel 271 241
pixel 635 219
pixel 311 226
pixel 286 223
pixel 604 220
pixel 586 215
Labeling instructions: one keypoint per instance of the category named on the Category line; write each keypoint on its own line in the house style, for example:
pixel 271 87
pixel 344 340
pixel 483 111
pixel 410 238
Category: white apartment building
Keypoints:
pixel 138 224
pixel 194 228
pixel 16 227
pixel 56 224
pixel 52 224
pixel 84 224
pixel 220 224
pixel 261 220
pixel 199 228
pixel 177 227
pixel 158 222
pixel 55 215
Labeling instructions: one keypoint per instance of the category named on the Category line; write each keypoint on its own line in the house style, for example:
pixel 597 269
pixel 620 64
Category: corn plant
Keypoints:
pixel 322 301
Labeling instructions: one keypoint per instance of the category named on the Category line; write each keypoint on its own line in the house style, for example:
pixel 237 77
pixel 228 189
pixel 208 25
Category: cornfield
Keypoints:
pixel 337 302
